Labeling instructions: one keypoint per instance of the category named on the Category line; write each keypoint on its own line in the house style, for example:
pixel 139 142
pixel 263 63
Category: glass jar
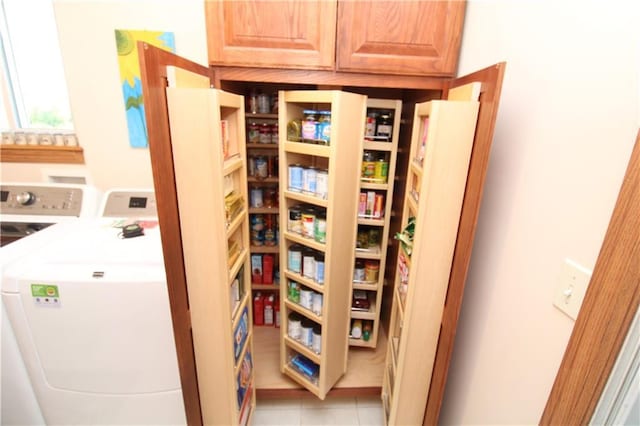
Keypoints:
pixel 384 126
pixel 309 125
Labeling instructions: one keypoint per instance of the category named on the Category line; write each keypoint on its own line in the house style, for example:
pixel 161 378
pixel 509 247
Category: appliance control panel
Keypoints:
pixel 40 200
pixel 130 204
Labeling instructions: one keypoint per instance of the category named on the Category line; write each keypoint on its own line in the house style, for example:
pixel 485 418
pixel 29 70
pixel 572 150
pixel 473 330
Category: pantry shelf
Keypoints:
pixel 304 281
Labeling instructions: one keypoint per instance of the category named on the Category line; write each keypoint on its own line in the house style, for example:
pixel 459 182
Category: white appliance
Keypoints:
pixel 90 311
pixel 25 209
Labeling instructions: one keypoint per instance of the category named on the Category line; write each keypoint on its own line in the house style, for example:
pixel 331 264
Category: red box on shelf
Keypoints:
pixel 267 269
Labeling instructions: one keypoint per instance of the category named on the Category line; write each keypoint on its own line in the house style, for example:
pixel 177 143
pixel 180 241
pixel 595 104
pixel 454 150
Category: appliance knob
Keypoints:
pixel 26 198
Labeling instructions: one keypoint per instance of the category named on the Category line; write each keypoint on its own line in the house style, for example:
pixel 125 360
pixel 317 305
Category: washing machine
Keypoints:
pixel 26 208
pixel 90 311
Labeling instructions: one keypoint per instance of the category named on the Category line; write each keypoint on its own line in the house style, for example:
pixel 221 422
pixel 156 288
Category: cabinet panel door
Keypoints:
pixel 398 37
pixel 275 34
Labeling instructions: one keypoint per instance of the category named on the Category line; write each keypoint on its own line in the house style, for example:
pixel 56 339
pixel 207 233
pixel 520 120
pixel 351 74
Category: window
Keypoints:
pixel 34 90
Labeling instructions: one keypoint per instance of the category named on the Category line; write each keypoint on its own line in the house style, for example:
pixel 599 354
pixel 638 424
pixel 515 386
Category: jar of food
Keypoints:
pixel 253 135
pixel 265 133
pixel 309 125
pixel 306 337
pixel 384 127
pixel 264 104
pixel 370 125
pixel 262 168
pixel 371 271
pixel 322 184
pixel 294 292
pixel 306 298
pixel 381 170
pixel 323 128
pixel 309 180
pixel 317 338
pixel 368 165
pixel 274 133
pixel 294 328
pixel 295 177
pixel 294 224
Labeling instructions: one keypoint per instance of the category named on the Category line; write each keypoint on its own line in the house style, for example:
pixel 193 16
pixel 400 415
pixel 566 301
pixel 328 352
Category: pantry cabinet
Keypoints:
pixel 318 222
pixel 362 364
pixel 442 140
pixel 210 171
pixel 383 37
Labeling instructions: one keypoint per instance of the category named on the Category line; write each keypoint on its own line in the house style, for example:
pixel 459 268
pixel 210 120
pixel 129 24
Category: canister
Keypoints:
pixel 322 184
pixel 294 326
pixel 306 298
pixel 295 177
pixel 316 341
pixel 295 258
pixel 306 335
pixel 316 305
pixel 319 277
pixel 308 263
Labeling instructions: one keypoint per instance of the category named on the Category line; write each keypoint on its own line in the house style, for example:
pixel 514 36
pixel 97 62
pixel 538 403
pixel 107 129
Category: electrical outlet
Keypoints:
pixel 572 286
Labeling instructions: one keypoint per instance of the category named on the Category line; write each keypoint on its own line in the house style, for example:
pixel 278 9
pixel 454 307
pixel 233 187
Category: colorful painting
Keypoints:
pixel 126 42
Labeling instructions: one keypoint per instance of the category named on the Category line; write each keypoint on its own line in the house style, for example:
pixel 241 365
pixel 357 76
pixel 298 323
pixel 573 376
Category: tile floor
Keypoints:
pixel 332 411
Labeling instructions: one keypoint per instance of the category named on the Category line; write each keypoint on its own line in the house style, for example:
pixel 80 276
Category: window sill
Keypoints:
pixel 41 154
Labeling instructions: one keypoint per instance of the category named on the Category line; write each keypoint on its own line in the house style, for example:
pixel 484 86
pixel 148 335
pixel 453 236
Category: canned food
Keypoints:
pixel 381 170
pixel 270 197
pixel 306 298
pixel 309 181
pixel 316 341
pixel 319 277
pixel 295 177
pixel 306 337
pixel 322 184
pixel 256 199
pixel 358 271
pixel 323 127
pixel 368 165
pixel 295 258
pixel 294 326
pixel 308 219
pixel 320 228
pixel 295 220
pixel 308 264
pixel 316 305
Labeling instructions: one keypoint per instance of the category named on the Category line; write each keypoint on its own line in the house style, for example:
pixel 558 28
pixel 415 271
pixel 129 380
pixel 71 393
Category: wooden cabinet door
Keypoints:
pixel 400 37
pixel 274 34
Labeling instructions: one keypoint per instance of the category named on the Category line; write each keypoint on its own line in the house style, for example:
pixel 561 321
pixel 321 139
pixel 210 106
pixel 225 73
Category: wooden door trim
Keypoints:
pixel 153 71
pixel 606 314
pixel 491 78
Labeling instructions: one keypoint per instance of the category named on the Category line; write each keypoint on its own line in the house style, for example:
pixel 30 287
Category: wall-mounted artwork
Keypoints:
pixel 126 42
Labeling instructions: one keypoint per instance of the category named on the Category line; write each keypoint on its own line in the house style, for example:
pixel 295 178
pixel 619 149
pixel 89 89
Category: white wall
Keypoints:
pixel 568 118
pixel 87 42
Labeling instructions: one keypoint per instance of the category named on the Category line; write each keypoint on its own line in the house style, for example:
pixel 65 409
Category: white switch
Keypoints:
pixel 573 282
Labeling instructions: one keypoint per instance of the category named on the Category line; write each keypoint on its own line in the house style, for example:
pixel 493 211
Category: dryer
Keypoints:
pixel 90 311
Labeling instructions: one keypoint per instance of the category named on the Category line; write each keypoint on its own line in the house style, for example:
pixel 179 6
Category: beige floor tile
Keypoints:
pixel 263 417
pixel 371 416
pixel 279 404
pixel 329 402
pixel 329 417
pixel 369 401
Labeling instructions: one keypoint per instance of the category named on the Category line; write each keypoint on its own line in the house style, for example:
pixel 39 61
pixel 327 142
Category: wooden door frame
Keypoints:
pixel 153 72
pixel 607 311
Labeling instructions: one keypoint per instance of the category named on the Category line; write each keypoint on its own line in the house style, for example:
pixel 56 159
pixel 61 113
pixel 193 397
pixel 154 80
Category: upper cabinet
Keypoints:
pixel 398 37
pixel 381 37
pixel 276 34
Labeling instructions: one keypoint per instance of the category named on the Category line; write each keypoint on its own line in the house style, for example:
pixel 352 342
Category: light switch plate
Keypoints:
pixel 572 286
